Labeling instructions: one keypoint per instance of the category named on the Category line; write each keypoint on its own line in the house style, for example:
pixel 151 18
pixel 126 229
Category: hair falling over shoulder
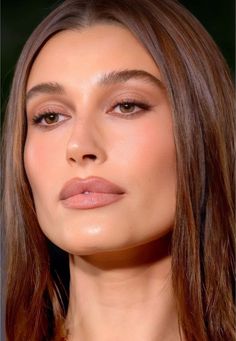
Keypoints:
pixel 201 95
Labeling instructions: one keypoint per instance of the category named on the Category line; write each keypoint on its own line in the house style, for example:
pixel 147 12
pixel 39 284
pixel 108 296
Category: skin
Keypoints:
pixel 119 254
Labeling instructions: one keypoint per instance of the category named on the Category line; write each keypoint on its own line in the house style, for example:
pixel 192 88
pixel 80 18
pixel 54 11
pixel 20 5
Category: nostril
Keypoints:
pixel 90 157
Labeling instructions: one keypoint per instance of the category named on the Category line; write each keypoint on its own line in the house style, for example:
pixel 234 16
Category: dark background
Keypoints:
pixel 19 18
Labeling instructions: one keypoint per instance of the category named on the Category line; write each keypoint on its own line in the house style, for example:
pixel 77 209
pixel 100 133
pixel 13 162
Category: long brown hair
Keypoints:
pixel 201 95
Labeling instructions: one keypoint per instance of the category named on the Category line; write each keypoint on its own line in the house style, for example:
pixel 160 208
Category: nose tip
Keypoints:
pixel 85 147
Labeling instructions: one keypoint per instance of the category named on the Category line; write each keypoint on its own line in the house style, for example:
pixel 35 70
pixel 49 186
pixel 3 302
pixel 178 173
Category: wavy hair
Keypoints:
pixel 201 96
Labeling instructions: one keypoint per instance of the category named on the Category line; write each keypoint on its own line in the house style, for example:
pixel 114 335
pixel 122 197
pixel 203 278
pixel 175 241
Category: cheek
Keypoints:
pixel 149 162
pixel 148 151
pixel 41 163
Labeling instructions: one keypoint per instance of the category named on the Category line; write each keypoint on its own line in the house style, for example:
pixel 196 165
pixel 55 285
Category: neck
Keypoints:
pixel 127 294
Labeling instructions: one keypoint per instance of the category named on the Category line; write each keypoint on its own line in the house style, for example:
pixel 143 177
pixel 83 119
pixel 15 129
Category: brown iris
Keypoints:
pixel 51 118
pixel 127 107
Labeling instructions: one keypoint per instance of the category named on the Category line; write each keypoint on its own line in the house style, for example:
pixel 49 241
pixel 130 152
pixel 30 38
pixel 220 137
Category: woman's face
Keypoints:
pixel 99 153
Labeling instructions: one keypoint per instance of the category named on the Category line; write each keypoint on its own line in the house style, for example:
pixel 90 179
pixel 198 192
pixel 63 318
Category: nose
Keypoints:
pixel 85 145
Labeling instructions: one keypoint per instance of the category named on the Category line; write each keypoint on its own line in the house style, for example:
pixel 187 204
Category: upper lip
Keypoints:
pixel 77 186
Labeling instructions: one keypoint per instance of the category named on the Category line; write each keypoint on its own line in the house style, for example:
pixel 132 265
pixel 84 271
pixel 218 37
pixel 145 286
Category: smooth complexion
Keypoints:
pixel 97 107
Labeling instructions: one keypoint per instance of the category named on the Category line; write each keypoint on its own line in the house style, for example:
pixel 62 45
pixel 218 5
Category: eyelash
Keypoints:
pixel 38 118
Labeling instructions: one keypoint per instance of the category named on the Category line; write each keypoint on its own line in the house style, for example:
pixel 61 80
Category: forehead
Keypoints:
pixel 84 55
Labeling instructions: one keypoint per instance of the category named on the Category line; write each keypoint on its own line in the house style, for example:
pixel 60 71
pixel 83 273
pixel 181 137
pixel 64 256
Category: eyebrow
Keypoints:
pixel 107 79
pixel 126 75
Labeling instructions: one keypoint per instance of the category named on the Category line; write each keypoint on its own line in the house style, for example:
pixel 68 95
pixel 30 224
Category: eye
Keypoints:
pixel 129 107
pixel 49 118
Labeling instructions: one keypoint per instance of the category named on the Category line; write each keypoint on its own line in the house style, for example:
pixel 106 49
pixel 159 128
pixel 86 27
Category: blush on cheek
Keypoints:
pixel 38 161
pixel 153 143
pixel 41 152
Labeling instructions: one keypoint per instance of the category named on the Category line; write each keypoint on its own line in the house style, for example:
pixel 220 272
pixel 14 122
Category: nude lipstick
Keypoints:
pixel 92 192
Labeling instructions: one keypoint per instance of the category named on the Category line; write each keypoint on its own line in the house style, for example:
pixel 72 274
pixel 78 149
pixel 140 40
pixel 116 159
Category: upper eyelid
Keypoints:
pixel 66 108
pixel 133 103
pixel 55 108
pixel 40 104
pixel 34 111
pixel 42 113
pixel 62 99
pixel 142 104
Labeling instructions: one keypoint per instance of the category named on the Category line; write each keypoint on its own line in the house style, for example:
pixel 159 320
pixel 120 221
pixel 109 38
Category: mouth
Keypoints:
pixel 92 192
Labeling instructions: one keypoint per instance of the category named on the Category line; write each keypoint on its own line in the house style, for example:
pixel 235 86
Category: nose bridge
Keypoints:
pixel 85 141
pixel 84 128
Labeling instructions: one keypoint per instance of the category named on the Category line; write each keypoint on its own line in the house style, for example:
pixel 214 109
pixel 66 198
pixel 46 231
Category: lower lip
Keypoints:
pixel 91 200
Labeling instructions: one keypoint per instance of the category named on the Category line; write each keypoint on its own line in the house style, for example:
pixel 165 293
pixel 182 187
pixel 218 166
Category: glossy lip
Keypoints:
pixel 89 193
